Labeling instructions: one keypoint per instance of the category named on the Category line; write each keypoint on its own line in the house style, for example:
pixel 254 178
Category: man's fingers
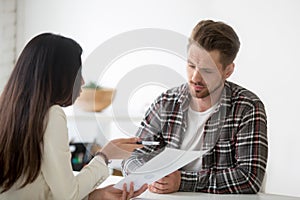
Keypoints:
pixel 162 181
pixel 160 186
pixel 156 190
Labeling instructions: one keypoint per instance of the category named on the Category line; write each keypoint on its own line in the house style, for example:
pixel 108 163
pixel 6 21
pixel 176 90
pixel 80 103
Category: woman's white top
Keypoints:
pixel 56 179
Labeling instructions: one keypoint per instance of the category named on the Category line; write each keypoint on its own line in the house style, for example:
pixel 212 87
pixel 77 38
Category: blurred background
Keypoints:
pixel 266 64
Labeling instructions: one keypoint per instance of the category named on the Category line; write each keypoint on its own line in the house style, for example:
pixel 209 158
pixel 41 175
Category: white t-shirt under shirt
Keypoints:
pixel 193 134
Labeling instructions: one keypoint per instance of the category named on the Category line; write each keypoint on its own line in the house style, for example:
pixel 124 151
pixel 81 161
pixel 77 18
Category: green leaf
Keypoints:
pixel 92 85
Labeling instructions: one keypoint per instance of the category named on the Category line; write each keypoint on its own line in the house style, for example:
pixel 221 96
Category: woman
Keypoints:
pixel 34 150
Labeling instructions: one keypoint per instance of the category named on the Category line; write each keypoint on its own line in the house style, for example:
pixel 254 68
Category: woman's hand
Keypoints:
pixel 111 193
pixel 120 148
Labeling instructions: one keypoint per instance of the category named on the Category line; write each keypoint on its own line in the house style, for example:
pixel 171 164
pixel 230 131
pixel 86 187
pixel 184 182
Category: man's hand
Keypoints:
pixel 168 184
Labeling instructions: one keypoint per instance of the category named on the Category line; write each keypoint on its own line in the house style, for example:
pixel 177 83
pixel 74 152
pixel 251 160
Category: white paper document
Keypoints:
pixel 161 165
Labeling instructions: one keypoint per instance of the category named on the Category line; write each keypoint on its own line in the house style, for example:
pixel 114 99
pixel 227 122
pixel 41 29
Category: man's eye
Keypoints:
pixel 207 71
pixel 191 66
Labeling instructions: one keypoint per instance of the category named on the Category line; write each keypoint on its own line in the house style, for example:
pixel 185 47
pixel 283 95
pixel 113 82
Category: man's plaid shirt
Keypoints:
pixel 236 163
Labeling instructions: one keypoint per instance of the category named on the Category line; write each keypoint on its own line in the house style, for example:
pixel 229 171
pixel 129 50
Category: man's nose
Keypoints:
pixel 197 76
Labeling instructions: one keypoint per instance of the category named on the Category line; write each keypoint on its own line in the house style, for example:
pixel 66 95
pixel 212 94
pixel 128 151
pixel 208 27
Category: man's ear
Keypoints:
pixel 229 70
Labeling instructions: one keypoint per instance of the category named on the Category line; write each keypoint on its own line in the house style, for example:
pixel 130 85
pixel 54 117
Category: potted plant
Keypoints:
pixel 94 97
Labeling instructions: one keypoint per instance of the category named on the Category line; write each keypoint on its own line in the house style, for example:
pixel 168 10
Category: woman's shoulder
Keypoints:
pixel 56 117
pixel 56 110
pixel 55 122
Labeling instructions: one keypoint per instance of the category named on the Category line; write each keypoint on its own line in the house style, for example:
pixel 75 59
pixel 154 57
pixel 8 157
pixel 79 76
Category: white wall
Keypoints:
pixel 7 39
pixel 267 62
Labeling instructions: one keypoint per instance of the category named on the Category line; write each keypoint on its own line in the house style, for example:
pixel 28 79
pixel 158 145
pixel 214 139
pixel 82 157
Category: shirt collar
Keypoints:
pixel 185 97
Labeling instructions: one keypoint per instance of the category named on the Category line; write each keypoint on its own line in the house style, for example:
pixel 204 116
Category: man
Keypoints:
pixel 208 113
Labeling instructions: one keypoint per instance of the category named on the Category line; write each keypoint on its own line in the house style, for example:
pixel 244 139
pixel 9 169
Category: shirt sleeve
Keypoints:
pixel 251 153
pixel 56 165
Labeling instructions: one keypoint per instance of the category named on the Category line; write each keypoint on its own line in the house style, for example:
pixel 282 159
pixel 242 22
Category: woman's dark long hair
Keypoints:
pixel 45 74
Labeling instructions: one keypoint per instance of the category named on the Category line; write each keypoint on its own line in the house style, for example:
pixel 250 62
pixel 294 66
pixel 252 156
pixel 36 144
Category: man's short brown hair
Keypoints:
pixel 212 35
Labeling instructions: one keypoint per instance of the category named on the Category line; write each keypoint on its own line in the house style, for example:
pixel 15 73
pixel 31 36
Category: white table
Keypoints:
pixel 204 196
pixel 197 195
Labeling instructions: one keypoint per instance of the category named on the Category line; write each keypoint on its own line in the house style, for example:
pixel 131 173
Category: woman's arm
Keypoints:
pixel 56 164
